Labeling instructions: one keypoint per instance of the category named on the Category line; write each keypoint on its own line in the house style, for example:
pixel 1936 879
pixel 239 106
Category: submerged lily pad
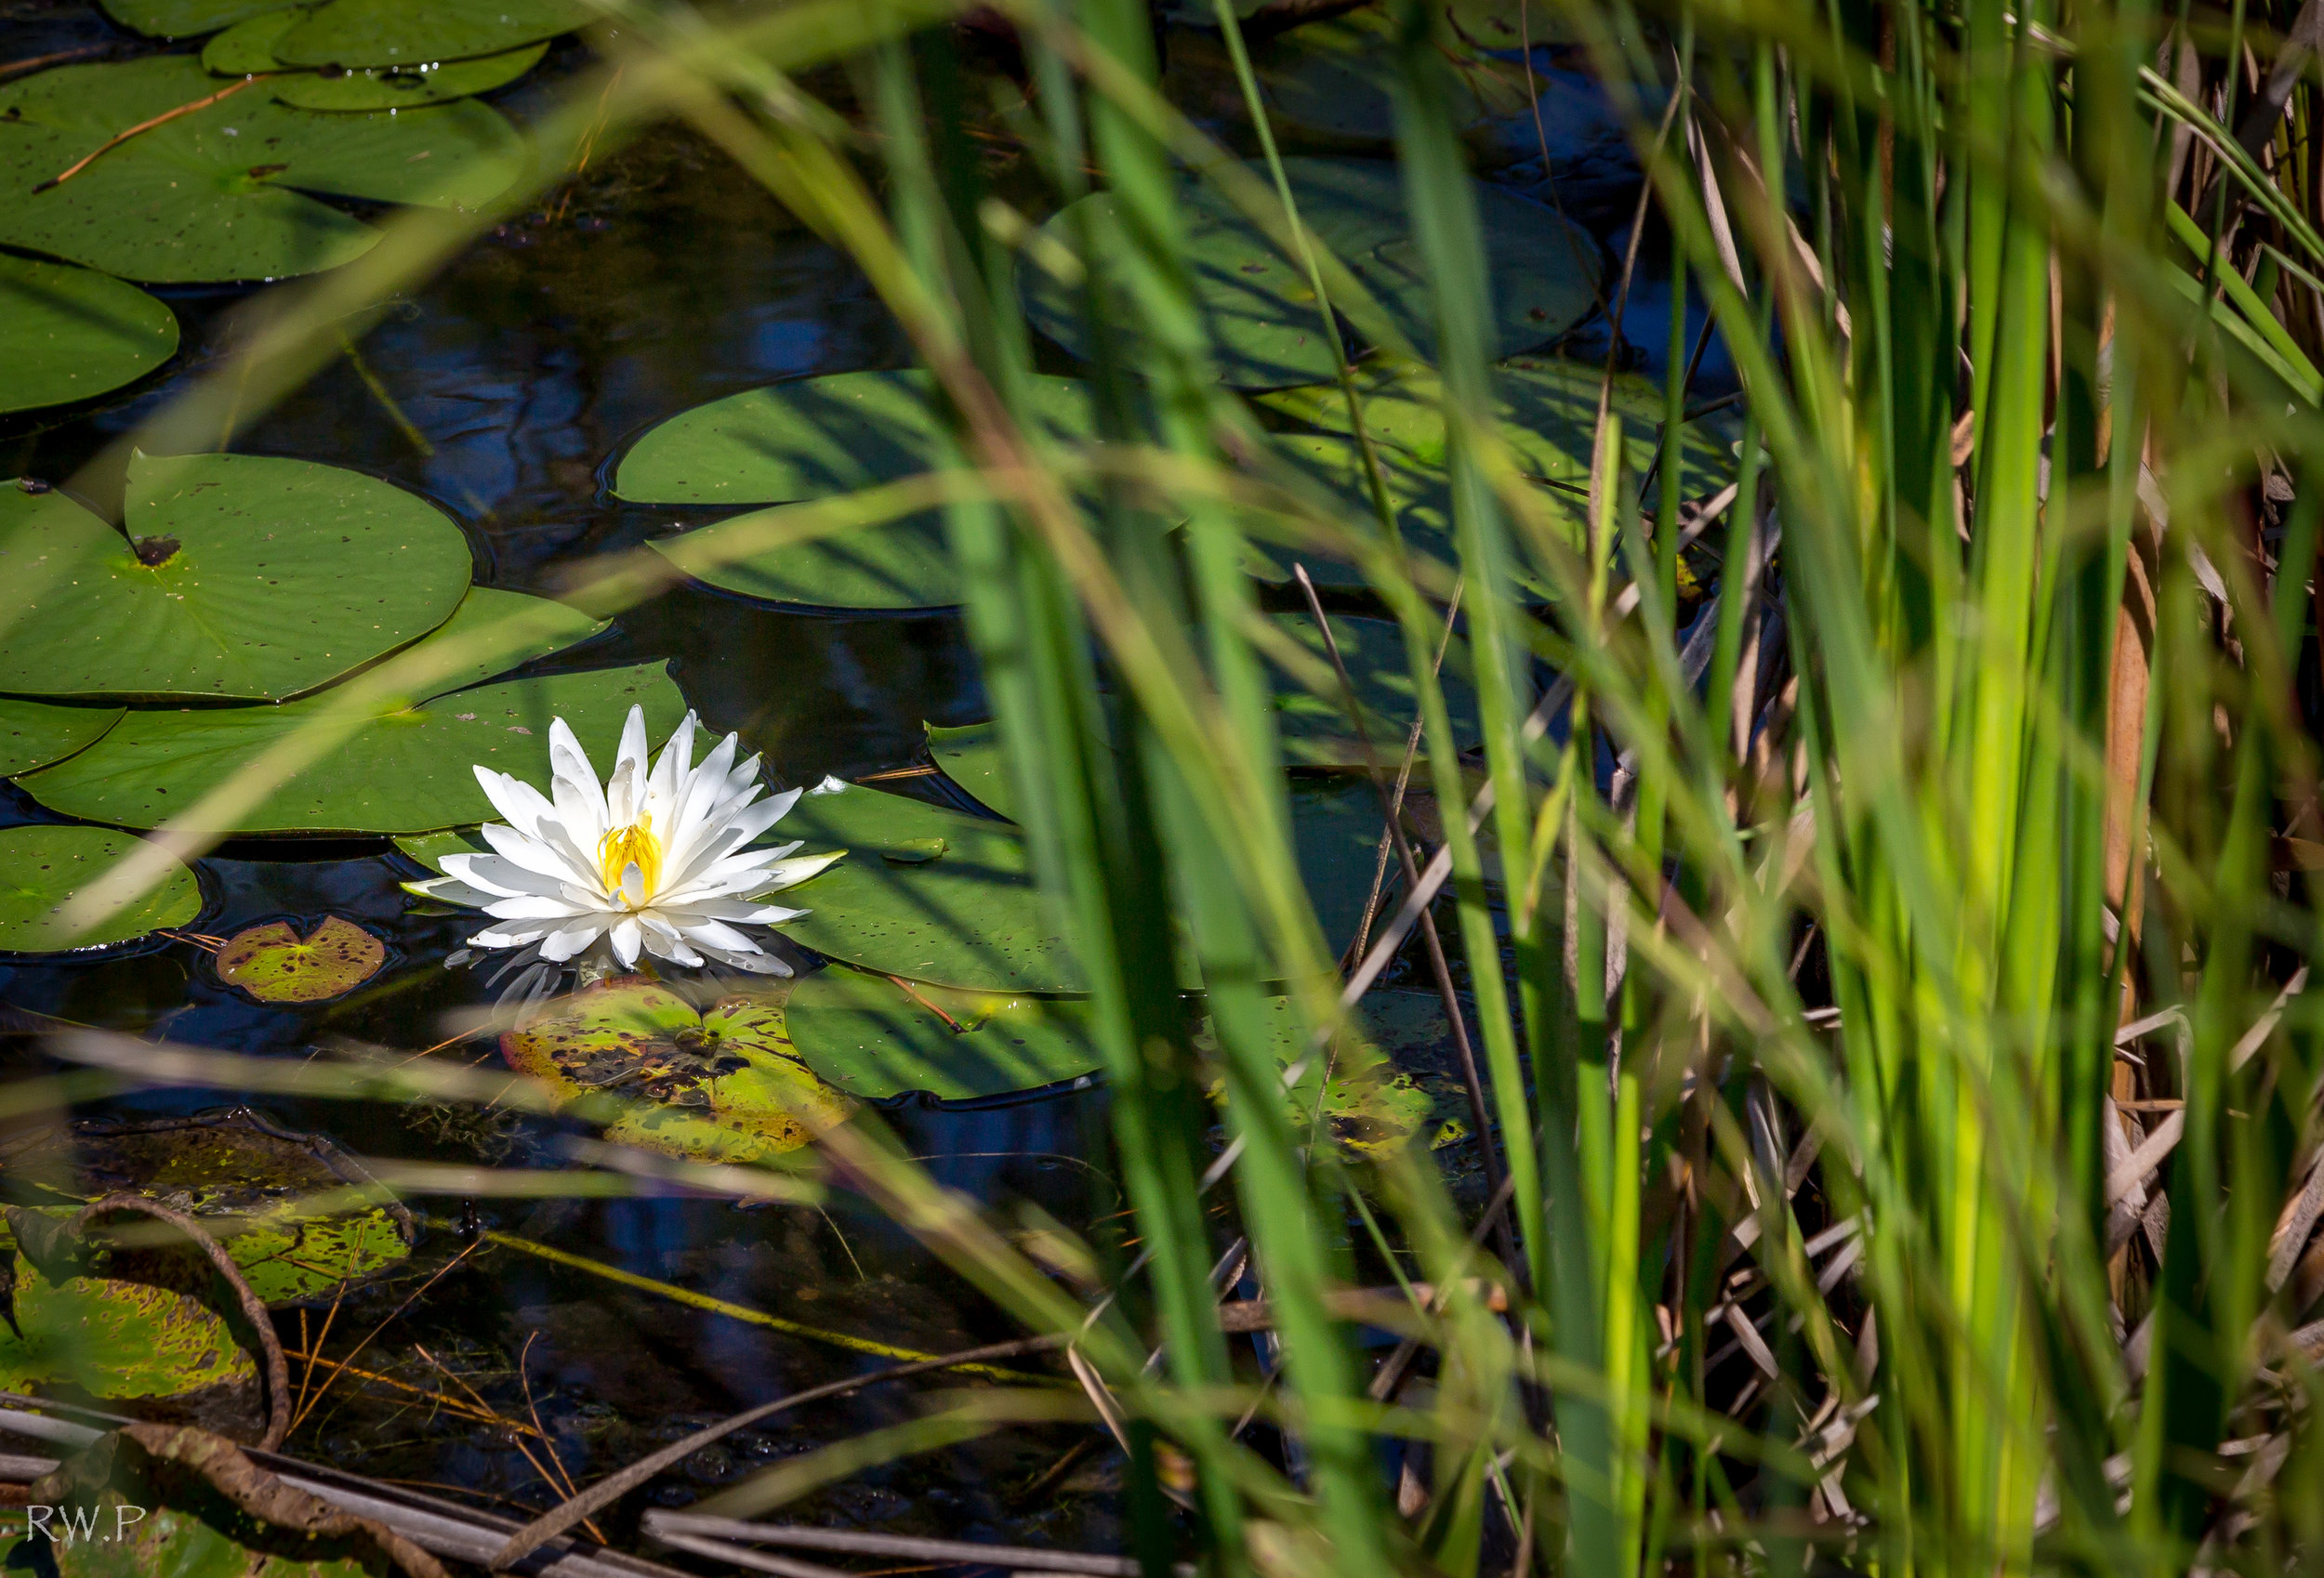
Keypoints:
pixel 1263 318
pixel 973 918
pixel 724 1080
pixel 185 18
pixel 811 438
pixel 218 193
pixel 404 33
pixel 67 333
pixel 247 48
pixel 34 733
pixel 182 1528
pixel 274 963
pixel 873 1037
pixel 240 577
pixel 255 1186
pixel 406 769
pixel 41 868
pixel 1548 415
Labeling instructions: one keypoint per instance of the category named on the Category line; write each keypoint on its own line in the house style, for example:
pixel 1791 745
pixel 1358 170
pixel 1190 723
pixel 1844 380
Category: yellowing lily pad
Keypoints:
pixel 42 868
pixel 114 1339
pixel 238 577
pixel 721 1082
pixel 274 1197
pixel 407 767
pixel 274 963
pixel 219 192
pixel 69 334
pixel 34 733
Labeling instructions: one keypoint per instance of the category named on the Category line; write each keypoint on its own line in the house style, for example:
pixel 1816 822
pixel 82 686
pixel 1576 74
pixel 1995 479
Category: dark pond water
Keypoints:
pixel 660 279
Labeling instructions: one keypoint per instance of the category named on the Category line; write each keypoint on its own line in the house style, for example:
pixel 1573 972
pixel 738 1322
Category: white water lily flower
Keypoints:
pixel 651 861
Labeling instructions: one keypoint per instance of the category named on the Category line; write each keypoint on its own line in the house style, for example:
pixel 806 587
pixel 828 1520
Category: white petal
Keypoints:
pixel 627 937
pixel 625 786
pixel 790 872
pixel 508 937
pixel 665 785
pixel 563 944
pixel 757 963
pixel 503 879
pixel 717 934
pixel 536 855
pixel 830 785
pixel 580 799
pixel 448 890
pixel 535 908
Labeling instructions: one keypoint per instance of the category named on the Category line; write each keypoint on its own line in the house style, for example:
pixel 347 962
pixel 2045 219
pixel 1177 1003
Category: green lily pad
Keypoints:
pixel 274 963
pixel 246 49
pixel 408 769
pixel 1263 318
pixel 1369 1106
pixel 240 577
pixel 1335 823
pixel 906 564
pixel 973 919
pixel 811 438
pixel 114 1339
pixel 40 868
pixel 184 18
pixel 182 1528
pixel 218 193
pixel 67 333
pixel 722 1081
pixel 250 1183
pixel 404 33
pixel 1315 728
pixel 1549 414
pixel 874 1038
pixel 34 733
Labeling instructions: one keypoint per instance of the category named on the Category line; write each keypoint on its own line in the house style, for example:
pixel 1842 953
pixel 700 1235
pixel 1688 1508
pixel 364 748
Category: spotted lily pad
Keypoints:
pixel 219 192
pixel 265 1192
pixel 1263 318
pixel 238 577
pixel 274 963
pixel 35 733
pixel 246 49
pixel 722 1081
pixel 114 1339
pixel 67 333
pixel 406 32
pixel 185 18
pixel 1549 414
pixel 408 769
pixel 42 868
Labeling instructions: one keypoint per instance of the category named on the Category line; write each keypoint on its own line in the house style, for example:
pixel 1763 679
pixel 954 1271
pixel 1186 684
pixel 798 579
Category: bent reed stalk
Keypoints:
pixel 1850 1227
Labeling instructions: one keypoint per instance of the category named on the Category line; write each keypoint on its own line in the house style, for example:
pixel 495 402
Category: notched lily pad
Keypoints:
pixel 409 769
pixel 239 577
pixel 219 192
pixel 274 963
pixel 69 334
pixel 724 1080
pixel 875 1037
pixel 42 869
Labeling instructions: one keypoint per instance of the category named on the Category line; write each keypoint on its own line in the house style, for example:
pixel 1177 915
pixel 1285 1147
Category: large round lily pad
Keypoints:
pixel 274 963
pixel 1548 415
pixel 259 1188
pixel 239 577
pixel 1263 318
pixel 811 438
pixel 218 193
pixel 407 33
pixel 905 564
pixel 246 49
pixel 720 1081
pixel 67 333
pixel 41 868
pixel 408 769
pixel 35 733
pixel 925 893
pixel 185 18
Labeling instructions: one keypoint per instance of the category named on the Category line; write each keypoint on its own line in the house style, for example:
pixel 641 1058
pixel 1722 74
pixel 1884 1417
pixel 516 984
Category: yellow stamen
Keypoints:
pixel 618 849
